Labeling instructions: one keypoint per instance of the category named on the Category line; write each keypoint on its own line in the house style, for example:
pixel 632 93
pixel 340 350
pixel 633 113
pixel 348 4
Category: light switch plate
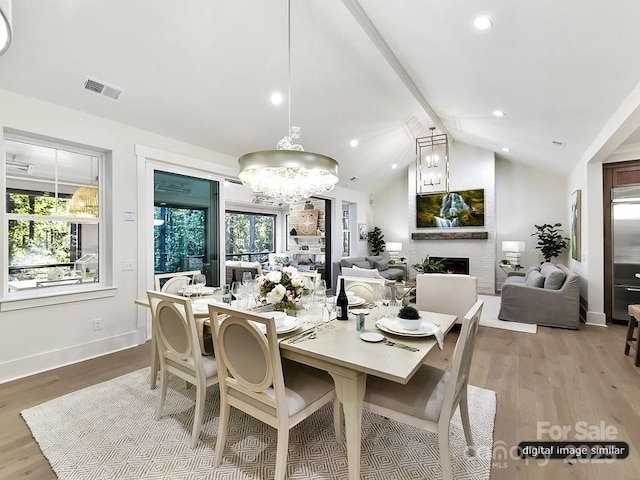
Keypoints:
pixel 127 265
pixel 129 216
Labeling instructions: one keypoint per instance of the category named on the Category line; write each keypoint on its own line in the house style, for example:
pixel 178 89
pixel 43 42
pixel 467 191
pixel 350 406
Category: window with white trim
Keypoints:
pixel 52 217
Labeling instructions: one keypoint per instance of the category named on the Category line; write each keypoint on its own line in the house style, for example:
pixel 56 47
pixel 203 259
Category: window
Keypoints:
pixel 52 216
pixel 249 236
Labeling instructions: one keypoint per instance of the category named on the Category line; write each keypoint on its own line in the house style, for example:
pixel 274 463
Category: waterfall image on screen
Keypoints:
pixel 449 210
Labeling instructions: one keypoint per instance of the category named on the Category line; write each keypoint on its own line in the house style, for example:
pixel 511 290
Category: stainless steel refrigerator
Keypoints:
pixel 625 214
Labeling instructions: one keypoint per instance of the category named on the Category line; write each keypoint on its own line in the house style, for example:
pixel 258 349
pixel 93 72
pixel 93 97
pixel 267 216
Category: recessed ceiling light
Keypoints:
pixel 394 166
pixel 498 113
pixel 354 143
pixel 505 149
pixel 483 23
pixel 276 98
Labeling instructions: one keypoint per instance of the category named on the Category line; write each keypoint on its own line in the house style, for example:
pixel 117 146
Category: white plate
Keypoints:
pixel 289 325
pixel 354 301
pixel 391 325
pixel 205 291
pixel 356 311
pixel 371 337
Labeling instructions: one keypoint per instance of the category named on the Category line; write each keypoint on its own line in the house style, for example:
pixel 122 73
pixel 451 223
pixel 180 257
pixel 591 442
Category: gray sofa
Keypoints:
pixel 545 295
pixel 378 262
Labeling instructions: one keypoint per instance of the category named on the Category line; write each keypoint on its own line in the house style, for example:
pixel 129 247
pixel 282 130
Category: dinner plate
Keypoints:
pixel 391 325
pixel 289 325
pixel 205 291
pixel 355 301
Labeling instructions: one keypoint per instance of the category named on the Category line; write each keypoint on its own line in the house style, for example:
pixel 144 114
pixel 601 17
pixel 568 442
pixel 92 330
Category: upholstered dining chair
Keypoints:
pixel 446 293
pixel 254 379
pixel 172 285
pixel 179 351
pixel 360 286
pixel 432 395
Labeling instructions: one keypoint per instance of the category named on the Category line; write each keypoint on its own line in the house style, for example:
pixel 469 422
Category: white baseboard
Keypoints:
pixel 42 362
pixel 596 318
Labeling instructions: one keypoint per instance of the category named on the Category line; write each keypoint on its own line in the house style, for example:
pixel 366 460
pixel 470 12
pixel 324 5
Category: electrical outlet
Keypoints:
pixel 127 265
pixel 97 324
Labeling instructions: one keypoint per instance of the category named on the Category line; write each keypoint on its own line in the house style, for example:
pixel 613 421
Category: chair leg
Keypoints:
pixel 164 380
pixel 630 328
pixel 154 362
pixel 282 450
pixel 466 425
pixel 338 417
pixel 223 426
pixel 201 394
pixel 445 455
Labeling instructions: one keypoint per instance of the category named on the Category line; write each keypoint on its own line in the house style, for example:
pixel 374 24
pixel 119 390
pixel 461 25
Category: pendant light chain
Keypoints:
pixel 289 65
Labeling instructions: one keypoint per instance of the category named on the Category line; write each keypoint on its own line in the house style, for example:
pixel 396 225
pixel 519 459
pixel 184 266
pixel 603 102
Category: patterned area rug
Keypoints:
pixel 107 431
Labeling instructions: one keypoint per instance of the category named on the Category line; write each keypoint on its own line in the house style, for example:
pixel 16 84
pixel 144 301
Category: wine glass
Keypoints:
pixel 316 315
pixel 320 293
pixel 306 299
pixel 199 281
pixel 246 278
pixel 377 294
pixel 187 288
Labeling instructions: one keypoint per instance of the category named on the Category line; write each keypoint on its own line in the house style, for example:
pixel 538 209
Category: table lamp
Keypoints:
pixel 513 250
pixel 394 249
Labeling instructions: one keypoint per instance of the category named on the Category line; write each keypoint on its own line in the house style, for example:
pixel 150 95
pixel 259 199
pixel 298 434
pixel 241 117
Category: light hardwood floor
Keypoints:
pixel 556 376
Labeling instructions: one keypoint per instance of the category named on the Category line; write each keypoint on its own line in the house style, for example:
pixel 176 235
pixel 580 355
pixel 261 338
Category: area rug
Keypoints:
pixel 108 431
pixel 489 317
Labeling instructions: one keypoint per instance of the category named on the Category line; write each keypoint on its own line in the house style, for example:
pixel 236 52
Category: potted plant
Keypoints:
pixel 375 238
pixel 550 240
pixel 429 266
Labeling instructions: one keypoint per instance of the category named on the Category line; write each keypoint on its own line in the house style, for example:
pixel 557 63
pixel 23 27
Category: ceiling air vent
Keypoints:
pixel 98 87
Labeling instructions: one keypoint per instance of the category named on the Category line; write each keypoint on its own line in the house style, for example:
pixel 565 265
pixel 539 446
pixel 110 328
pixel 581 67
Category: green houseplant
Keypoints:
pixel 375 238
pixel 550 240
pixel 429 266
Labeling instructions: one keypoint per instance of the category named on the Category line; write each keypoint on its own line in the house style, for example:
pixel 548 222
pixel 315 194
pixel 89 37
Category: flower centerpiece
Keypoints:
pixel 283 288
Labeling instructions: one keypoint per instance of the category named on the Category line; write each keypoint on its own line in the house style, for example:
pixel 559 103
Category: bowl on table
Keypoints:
pixel 279 318
pixel 410 323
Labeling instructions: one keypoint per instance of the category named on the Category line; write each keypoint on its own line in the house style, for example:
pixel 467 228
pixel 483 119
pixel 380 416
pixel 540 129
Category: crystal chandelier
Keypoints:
pixel 5 25
pixel 289 172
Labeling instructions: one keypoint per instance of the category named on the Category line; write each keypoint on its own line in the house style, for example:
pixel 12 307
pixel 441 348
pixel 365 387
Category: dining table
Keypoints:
pixel 337 347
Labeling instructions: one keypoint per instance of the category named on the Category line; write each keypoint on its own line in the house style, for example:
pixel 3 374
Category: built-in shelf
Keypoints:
pixel 449 235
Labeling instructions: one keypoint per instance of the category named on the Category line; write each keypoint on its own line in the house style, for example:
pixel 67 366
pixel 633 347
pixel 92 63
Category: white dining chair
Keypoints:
pixel 360 286
pixel 179 351
pixel 452 294
pixel 432 395
pixel 172 285
pixel 254 379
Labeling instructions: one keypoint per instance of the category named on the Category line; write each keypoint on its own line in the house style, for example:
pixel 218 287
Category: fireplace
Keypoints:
pixel 457 265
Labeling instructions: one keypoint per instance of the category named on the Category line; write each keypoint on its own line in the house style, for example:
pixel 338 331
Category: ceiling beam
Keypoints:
pixel 374 35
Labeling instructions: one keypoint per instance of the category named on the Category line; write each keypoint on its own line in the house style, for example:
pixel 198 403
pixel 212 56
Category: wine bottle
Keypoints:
pixel 342 302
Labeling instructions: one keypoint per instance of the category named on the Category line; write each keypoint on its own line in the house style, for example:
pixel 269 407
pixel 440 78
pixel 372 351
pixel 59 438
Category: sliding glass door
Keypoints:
pixel 186 225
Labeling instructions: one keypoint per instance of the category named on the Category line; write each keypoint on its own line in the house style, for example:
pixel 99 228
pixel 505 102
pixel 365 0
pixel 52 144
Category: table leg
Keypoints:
pixel 350 391
pixel 154 362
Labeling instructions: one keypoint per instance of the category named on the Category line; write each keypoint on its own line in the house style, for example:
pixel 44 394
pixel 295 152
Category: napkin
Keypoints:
pixel 437 332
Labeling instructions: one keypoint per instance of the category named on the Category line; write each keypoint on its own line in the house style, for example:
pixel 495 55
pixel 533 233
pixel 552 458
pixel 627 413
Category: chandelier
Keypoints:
pixel 432 163
pixel 288 172
pixel 84 202
pixel 5 25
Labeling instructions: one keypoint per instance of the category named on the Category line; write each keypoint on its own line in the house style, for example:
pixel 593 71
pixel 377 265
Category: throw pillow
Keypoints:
pixel 363 264
pixel 360 272
pixel 532 269
pixel 381 265
pixel 536 279
pixel 554 280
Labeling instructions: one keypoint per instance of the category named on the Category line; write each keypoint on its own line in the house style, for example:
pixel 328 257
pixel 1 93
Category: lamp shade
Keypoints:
pixel 513 246
pixel 5 25
pixel 394 246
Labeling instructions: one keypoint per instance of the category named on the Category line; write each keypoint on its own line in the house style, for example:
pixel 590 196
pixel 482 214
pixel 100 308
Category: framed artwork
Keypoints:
pixel 346 244
pixel 464 208
pixel 576 234
pixel 362 231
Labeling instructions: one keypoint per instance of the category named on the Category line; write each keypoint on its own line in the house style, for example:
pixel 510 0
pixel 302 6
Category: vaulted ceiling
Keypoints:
pixel 379 71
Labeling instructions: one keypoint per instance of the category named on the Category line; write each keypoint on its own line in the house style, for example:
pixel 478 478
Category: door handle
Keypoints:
pixel 633 289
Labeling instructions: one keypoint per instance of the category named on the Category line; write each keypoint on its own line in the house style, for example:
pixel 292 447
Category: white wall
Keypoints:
pixel 526 197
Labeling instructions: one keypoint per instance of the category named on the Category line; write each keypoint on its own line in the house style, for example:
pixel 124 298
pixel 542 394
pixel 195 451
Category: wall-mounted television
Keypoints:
pixel 464 208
